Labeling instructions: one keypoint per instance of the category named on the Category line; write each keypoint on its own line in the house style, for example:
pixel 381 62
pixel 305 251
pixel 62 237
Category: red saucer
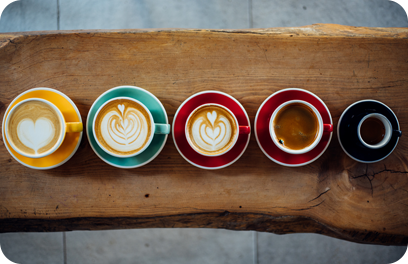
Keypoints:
pixel 179 136
pixel 262 127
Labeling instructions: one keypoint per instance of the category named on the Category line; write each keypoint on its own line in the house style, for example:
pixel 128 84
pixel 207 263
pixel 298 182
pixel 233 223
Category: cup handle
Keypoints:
pixel 327 128
pixel 244 130
pixel 398 133
pixel 74 127
pixel 161 128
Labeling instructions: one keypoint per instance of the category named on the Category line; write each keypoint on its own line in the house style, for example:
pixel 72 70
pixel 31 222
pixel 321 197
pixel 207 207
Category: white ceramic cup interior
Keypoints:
pixel 188 136
pixel 387 126
pixel 60 138
pixel 319 131
pixel 151 123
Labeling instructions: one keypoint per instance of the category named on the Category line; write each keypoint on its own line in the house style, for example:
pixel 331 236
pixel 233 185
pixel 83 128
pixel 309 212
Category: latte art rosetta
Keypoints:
pixel 124 128
pixel 211 132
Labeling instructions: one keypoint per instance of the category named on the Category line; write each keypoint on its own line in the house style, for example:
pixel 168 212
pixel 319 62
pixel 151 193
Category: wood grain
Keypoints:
pixel 334 195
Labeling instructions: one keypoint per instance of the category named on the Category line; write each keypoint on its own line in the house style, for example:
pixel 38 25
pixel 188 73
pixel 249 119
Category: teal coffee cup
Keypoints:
pixel 127 127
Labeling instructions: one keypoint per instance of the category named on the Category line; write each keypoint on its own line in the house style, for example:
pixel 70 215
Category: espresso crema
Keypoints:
pixel 34 127
pixel 212 130
pixel 296 126
pixel 123 127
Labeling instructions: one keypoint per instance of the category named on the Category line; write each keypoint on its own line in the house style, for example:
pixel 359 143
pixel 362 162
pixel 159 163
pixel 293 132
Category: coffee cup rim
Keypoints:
pixel 151 124
pixel 60 138
pixel 387 126
pixel 308 148
pixel 188 137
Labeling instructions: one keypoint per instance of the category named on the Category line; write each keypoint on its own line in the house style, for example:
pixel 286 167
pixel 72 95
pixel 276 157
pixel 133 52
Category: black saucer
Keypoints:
pixel 347 131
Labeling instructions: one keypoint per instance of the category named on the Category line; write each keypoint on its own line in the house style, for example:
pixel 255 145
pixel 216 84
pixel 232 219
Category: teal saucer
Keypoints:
pixel 159 115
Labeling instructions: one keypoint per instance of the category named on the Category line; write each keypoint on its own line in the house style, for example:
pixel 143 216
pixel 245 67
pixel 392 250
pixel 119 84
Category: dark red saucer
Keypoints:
pixel 179 136
pixel 262 127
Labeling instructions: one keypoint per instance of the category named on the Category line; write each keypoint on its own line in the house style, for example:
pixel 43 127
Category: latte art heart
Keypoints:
pixel 212 132
pixel 34 127
pixel 123 127
pixel 35 135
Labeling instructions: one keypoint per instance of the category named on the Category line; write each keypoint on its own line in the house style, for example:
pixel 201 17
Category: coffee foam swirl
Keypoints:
pixel 34 127
pixel 212 130
pixel 124 127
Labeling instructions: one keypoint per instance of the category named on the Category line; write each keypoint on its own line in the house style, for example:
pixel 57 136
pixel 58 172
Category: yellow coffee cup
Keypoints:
pixel 36 128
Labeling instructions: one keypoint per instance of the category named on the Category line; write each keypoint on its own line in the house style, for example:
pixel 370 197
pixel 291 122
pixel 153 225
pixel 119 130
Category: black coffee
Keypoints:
pixel 296 126
pixel 372 131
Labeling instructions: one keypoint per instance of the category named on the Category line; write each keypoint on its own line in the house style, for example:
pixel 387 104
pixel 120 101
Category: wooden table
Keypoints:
pixel 334 195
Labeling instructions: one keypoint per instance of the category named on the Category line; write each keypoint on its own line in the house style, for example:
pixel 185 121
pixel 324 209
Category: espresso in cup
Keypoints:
pixel 34 127
pixel 123 127
pixel 374 131
pixel 296 126
pixel 212 129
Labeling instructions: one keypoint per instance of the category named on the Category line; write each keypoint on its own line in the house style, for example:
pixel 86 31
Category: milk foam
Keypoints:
pixel 124 129
pixel 34 127
pixel 35 135
pixel 211 132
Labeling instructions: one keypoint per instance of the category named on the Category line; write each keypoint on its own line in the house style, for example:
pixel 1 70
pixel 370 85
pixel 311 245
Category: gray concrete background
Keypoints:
pixel 192 245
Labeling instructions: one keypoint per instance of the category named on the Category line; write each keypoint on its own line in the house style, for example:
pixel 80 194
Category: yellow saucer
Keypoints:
pixel 71 141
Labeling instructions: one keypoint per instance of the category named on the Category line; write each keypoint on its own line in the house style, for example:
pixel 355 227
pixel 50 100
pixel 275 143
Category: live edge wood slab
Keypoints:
pixel 334 195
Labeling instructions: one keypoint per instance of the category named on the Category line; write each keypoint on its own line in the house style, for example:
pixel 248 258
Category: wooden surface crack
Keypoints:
pixel 320 195
pixel 370 177
pixel 310 207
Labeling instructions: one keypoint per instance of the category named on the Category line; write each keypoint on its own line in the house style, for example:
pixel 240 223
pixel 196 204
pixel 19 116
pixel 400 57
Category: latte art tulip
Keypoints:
pixel 211 132
pixel 124 128
pixel 211 129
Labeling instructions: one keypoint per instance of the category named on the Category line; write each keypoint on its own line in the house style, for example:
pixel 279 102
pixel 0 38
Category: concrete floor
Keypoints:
pixel 192 245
